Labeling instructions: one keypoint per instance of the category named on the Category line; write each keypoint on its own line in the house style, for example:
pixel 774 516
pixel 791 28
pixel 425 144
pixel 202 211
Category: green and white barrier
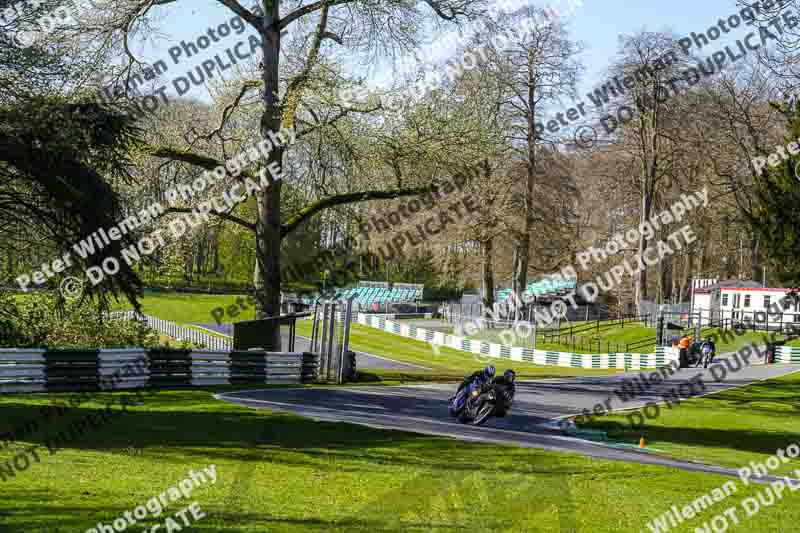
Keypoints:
pixel 788 355
pixel 631 361
pixel 57 370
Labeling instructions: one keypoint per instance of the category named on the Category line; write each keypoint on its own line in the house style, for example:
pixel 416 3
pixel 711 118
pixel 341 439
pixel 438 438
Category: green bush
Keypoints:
pixel 41 320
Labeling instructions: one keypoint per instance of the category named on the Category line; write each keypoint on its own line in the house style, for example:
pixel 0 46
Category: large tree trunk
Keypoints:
pixel 666 279
pixel 487 274
pixel 755 258
pixel 519 280
pixel 267 278
pixel 640 279
pixel 688 275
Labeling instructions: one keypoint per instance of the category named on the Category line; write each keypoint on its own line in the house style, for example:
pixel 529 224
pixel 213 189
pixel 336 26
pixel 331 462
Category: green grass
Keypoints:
pixel 188 308
pixel 448 365
pixel 729 428
pixel 284 474
pixel 585 341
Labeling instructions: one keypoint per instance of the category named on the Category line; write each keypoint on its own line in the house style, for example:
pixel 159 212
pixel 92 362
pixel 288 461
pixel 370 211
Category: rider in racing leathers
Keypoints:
pixel 483 376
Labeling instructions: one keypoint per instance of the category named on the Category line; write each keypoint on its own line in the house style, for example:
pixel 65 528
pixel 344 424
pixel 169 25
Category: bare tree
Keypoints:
pixel 648 62
pixel 534 64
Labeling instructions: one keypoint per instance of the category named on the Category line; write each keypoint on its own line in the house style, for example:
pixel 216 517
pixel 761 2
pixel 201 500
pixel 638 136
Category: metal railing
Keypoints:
pixel 176 331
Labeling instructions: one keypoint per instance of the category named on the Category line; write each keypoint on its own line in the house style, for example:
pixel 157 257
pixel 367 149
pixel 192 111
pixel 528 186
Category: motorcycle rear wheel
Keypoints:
pixel 483 414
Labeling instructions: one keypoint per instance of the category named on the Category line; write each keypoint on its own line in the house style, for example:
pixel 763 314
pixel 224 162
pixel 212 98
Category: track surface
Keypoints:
pixel 537 405
pixel 364 361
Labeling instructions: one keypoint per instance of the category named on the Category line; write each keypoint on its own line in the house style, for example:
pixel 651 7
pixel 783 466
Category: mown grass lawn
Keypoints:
pixel 729 428
pixel 189 308
pixel 282 473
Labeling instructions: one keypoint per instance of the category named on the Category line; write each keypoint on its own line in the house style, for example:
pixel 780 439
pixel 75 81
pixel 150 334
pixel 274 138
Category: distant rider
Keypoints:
pixel 683 346
pixel 709 350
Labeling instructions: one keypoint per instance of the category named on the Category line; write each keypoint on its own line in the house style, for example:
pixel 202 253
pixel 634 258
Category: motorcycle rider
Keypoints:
pixel 683 346
pixel 483 377
pixel 708 346
pixel 505 387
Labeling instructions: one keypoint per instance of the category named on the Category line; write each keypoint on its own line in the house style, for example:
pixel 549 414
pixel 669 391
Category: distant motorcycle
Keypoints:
pixel 708 356
pixel 695 355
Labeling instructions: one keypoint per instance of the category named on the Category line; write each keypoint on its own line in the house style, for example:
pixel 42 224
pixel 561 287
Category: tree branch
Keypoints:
pixel 310 8
pixel 225 216
pixel 192 158
pixel 295 89
pixel 340 115
pixel 343 199
pixel 254 20
pixel 247 86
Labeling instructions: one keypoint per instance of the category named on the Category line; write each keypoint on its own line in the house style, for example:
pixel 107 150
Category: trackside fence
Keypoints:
pixel 39 370
pixel 789 355
pixel 628 361
pixel 175 331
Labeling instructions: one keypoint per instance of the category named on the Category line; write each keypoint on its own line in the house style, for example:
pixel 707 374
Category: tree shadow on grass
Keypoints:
pixel 181 424
pixel 190 428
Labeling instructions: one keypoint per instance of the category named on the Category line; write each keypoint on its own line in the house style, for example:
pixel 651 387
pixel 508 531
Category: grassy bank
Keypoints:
pixel 281 473
pixel 188 308
pixel 729 428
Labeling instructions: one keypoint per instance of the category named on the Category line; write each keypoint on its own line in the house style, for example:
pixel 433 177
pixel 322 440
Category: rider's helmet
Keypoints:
pixel 509 376
pixel 488 372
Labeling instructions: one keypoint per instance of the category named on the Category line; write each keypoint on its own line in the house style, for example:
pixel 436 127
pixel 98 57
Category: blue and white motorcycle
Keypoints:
pixel 474 403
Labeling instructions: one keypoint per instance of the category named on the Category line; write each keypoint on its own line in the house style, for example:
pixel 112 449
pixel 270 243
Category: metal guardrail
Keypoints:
pixel 35 370
pixel 176 331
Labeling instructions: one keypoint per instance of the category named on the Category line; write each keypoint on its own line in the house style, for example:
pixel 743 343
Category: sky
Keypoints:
pixel 597 24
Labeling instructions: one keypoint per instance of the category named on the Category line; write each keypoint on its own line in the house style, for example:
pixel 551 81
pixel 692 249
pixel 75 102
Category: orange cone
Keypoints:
pixel 641 442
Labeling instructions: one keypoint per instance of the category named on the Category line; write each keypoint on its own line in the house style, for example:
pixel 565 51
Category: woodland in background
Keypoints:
pixel 542 198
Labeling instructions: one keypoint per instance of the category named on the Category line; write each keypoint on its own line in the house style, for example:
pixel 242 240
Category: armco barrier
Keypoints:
pixel 24 370
pixel 71 369
pixel 124 368
pixel 631 361
pixel 788 355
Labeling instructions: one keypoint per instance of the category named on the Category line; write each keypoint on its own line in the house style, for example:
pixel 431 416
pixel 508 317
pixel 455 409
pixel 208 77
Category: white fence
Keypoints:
pixel 178 332
pixel 628 361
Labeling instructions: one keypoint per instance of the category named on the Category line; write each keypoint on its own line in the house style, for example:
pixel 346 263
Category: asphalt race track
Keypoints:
pixel 533 421
pixel 364 361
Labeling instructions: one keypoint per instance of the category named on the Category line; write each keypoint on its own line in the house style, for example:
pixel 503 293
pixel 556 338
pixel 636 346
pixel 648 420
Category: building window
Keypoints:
pixel 767 302
pixel 786 303
pixel 724 300
pixel 737 301
pixel 747 300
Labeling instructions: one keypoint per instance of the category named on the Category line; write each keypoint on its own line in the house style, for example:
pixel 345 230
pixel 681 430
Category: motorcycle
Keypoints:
pixel 708 356
pixel 458 402
pixel 695 355
pixel 474 404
